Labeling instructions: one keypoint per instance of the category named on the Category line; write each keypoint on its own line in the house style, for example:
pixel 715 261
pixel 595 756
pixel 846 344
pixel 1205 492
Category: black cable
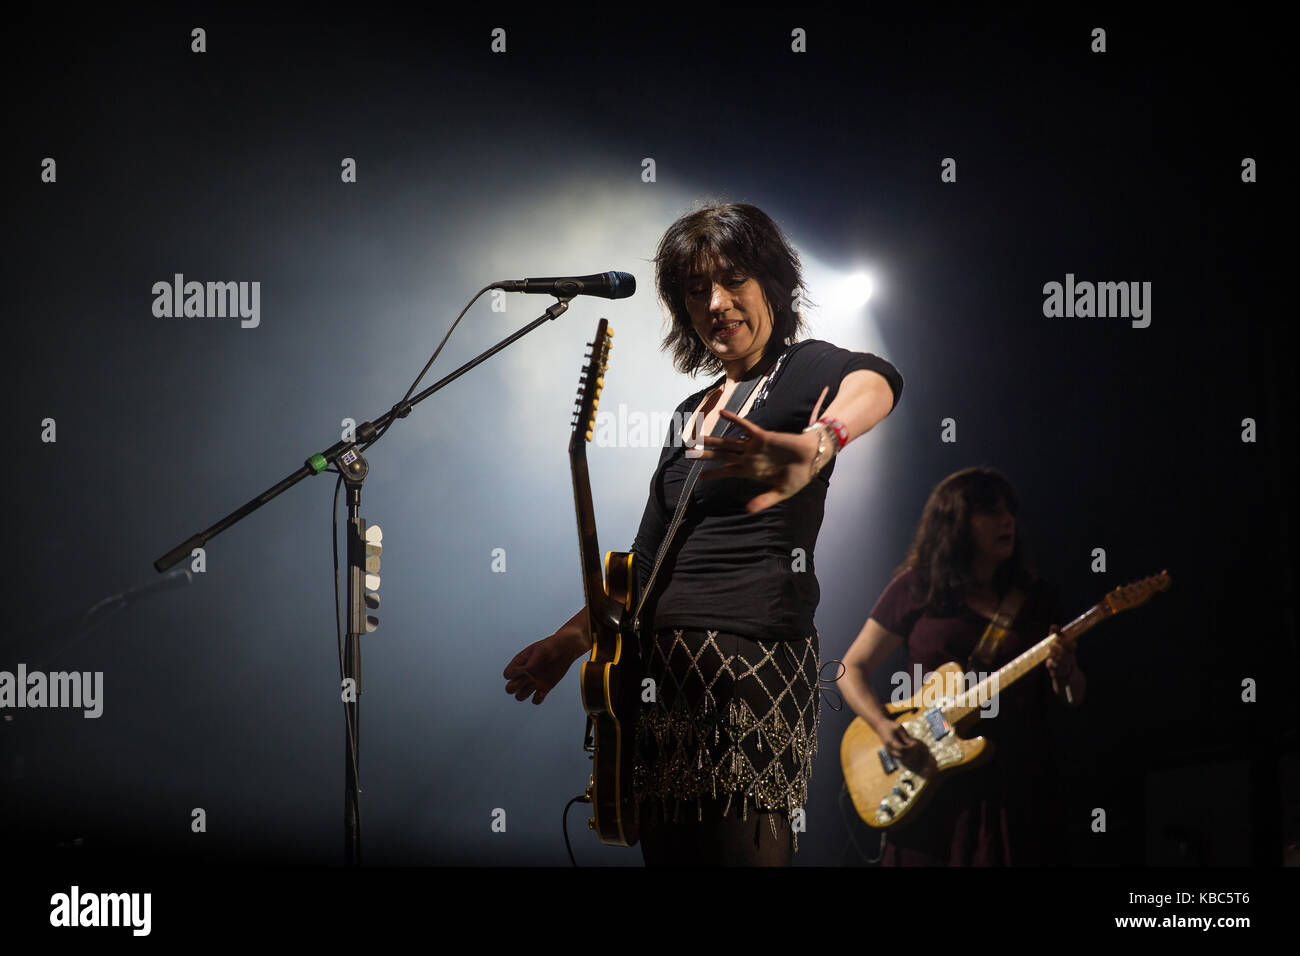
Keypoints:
pixel 334 526
pixel 338 626
pixel 410 391
pixel 564 826
pixel 831 691
pixel 338 613
pixel 334 517
pixel 849 824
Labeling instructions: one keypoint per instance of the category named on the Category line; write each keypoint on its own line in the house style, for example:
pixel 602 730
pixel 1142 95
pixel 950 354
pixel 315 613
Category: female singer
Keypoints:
pixel 964 560
pixel 724 753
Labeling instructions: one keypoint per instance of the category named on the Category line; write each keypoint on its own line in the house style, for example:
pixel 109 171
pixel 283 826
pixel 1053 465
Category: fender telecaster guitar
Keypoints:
pixel 887 793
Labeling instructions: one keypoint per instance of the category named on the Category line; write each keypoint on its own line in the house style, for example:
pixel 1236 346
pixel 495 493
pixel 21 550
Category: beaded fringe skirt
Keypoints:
pixel 733 719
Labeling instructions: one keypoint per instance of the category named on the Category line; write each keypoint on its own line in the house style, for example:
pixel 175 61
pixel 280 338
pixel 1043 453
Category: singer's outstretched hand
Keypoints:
pixel 783 460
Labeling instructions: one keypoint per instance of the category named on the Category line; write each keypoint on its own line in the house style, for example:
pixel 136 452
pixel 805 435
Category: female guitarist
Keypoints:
pixel 724 752
pixel 965 561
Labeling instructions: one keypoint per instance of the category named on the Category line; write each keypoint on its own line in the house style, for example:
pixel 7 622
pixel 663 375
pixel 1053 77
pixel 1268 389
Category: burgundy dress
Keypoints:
pixel 1001 813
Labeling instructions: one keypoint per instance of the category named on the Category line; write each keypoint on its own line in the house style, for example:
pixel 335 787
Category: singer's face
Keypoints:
pixel 730 313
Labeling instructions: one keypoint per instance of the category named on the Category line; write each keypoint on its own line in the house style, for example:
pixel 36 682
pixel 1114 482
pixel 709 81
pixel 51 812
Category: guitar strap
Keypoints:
pixel 738 397
pixel 986 650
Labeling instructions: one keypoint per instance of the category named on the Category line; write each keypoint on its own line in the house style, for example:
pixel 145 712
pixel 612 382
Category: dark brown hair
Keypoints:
pixel 746 239
pixel 942 549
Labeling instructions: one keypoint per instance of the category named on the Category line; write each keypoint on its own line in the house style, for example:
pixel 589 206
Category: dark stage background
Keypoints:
pixel 474 166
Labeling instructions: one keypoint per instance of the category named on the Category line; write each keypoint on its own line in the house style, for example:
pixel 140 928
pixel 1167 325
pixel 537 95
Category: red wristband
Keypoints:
pixel 839 428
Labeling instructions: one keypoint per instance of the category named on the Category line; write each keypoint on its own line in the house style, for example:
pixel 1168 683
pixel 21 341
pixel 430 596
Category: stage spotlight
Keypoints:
pixel 844 303
pixel 855 291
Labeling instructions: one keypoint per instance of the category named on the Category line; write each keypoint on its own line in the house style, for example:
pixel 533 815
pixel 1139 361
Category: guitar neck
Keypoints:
pixel 600 608
pixel 593 580
pixel 971 699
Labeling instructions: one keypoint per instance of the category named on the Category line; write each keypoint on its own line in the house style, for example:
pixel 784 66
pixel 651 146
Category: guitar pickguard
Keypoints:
pixel 945 747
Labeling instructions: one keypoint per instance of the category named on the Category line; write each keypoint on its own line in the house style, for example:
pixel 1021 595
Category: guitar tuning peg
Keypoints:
pixel 372 564
pixel 372 600
pixel 374 533
pixel 374 548
pixel 372 582
pixel 372 623
pixel 589 434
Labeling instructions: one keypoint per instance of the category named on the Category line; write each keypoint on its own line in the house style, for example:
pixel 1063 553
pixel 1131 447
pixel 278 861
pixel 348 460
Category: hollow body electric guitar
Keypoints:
pixel 610 678
pixel 888 793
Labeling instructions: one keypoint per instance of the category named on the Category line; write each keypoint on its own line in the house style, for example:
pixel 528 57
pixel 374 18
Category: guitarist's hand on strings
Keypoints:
pixel 900 744
pixel 784 460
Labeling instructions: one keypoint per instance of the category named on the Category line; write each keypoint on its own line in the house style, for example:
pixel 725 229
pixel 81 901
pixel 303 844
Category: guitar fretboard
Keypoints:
pixel 974 697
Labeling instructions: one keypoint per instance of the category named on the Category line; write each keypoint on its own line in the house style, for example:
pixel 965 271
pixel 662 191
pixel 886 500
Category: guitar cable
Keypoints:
pixel 849 821
pixel 850 824
pixel 564 827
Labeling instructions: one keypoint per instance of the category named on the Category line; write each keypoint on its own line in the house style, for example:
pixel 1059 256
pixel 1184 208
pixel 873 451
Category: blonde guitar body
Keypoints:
pixel 885 791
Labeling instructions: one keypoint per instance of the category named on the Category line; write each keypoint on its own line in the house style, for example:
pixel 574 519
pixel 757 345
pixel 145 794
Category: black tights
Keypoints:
pixel 715 841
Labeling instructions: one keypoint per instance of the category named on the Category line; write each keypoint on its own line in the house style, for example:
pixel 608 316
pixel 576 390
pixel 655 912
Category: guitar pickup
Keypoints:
pixel 886 761
pixel 938 726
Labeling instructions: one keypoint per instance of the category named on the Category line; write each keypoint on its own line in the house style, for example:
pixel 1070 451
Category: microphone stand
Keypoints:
pixel 346 456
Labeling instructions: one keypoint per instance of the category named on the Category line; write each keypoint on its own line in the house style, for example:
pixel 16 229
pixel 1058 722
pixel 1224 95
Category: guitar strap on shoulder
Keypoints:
pixel 987 648
pixel 738 398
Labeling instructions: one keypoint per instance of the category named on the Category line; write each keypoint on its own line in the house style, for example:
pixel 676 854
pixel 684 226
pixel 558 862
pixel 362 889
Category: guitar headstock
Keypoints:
pixel 590 383
pixel 1137 593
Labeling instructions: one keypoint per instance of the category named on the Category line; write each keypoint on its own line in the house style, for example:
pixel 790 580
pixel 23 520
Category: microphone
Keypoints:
pixel 607 285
